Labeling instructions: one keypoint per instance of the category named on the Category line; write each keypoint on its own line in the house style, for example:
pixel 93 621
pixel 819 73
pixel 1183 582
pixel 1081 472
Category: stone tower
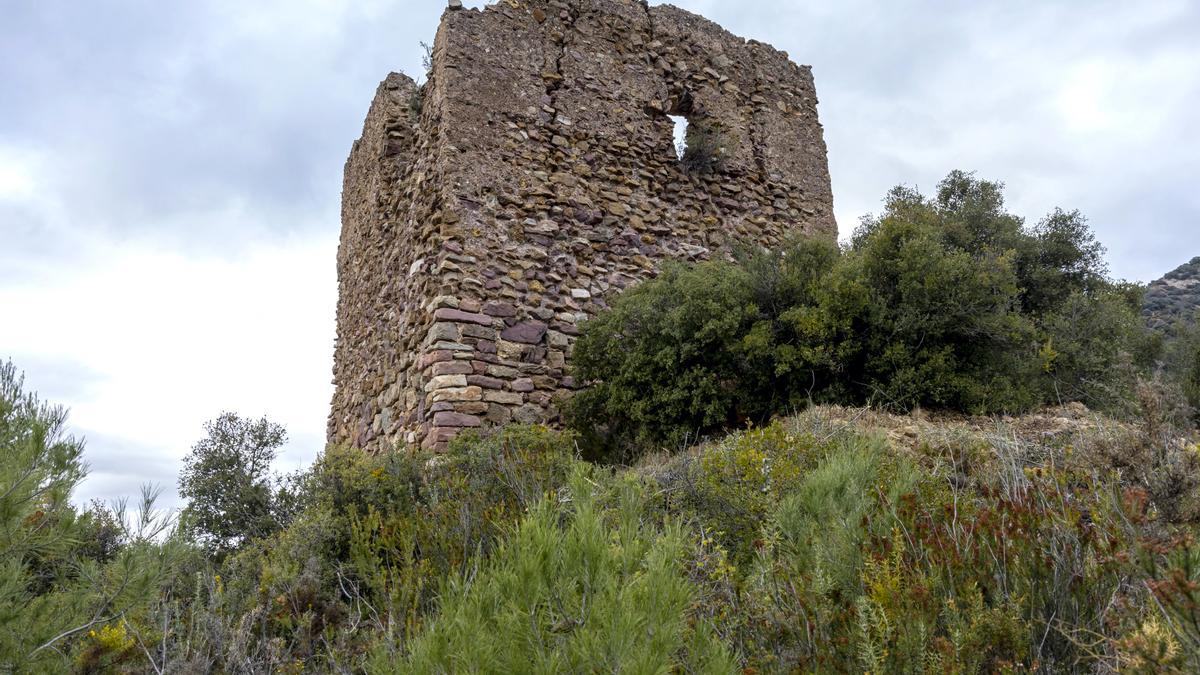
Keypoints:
pixel 486 214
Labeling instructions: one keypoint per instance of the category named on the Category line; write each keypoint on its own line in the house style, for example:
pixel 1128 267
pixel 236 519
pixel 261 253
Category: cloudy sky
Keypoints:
pixel 170 173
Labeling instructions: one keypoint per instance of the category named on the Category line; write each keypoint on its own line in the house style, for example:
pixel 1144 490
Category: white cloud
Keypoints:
pixel 18 172
pixel 173 339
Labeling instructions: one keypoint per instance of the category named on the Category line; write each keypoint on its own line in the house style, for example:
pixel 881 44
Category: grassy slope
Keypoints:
pixel 841 540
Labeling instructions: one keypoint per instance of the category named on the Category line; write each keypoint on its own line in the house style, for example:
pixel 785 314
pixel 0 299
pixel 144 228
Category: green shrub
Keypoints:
pixel 679 375
pixel 364 561
pixel 871 561
pixel 943 303
pixel 1191 383
pixel 1089 350
pixel 1183 364
pixel 67 581
pixel 592 590
pixel 822 523
pixel 226 479
pixel 940 327
pixel 736 483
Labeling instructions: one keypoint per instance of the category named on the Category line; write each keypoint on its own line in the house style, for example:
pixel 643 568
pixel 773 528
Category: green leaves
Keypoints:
pixel 594 589
pixel 226 480
pixel 63 574
pixel 940 303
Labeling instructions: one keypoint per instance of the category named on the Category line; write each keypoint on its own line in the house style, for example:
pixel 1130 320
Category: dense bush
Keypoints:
pixel 362 564
pixel 833 541
pixel 973 551
pixel 226 478
pixel 68 580
pixel 947 302
pixel 592 590
pixel 1181 360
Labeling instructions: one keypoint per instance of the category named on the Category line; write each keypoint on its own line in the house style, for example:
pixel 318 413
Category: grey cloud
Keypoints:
pixel 161 119
pixel 912 90
pixel 54 379
pixel 119 467
pixel 175 121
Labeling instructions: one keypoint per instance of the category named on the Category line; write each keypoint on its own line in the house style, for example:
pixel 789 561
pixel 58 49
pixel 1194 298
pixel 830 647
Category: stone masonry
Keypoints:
pixel 488 213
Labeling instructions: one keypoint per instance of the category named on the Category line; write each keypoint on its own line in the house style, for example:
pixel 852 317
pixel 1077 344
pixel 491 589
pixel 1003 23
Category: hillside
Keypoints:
pixel 835 540
pixel 1175 296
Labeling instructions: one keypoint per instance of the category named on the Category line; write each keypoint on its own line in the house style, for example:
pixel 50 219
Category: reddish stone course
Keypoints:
pixel 447 314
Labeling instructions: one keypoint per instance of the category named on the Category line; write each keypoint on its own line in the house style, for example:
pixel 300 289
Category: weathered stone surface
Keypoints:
pixel 485 382
pixel 445 381
pixel 457 394
pixel 536 179
pixel 527 332
pixel 505 397
pixel 528 414
pixel 472 407
pixel 443 331
pixel 452 368
pixel 447 314
pixel 453 419
pixel 500 309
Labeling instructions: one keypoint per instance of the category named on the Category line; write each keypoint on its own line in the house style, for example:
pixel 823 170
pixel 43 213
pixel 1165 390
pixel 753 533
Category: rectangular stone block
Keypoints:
pixel 457 394
pixel 505 397
pixel 448 314
pixel 452 368
pixel 443 330
pixel 455 419
pixel 485 382
pixel 444 381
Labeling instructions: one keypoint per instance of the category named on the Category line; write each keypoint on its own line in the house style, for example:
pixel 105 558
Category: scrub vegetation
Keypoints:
pixel 949 446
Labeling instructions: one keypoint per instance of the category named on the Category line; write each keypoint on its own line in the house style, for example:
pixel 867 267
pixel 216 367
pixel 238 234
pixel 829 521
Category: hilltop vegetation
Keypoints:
pixel 948 302
pixel 833 541
pixel 1170 308
pixel 1175 297
pixel 897 474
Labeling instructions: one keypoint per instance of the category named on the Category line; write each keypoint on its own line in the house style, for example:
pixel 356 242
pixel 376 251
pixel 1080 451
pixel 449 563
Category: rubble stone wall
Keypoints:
pixel 488 213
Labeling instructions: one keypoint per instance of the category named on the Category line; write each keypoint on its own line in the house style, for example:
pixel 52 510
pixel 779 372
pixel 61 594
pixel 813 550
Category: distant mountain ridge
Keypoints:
pixel 1175 296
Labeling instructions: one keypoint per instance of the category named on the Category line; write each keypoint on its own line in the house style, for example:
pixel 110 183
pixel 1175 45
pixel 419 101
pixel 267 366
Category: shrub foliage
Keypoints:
pixel 947 302
pixel 833 540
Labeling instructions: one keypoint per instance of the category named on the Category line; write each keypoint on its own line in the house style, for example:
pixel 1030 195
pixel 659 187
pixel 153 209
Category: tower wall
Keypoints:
pixel 490 212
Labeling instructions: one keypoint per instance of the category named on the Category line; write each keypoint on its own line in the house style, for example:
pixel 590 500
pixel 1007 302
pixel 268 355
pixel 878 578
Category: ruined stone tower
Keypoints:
pixel 489 212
